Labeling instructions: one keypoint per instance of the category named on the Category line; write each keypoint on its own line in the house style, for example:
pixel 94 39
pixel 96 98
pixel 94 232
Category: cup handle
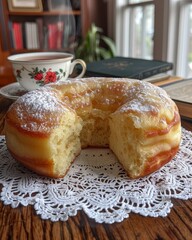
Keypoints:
pixel 82 63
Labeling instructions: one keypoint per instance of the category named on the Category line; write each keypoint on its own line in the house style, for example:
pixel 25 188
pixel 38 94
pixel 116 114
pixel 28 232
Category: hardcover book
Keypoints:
pixel 127 67
pixel 181 93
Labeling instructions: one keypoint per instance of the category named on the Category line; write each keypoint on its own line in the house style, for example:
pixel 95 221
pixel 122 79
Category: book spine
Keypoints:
pixel 28 32
pixel 153 72
pixel 20 36
pixel 39 22
pixel 35 40
pixel 60 30
pixel 23 34
pixel 11 34
pixel 14 35
pixel 17 36
pixel 50 36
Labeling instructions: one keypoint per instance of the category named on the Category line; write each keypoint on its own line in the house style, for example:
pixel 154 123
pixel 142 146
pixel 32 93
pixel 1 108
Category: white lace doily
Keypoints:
pixel 98 184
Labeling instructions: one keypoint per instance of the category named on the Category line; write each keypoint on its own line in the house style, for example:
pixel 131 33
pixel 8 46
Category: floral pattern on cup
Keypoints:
pixel 41 76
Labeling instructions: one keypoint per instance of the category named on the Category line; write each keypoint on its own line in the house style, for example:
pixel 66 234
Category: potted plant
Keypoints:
pixel 95 46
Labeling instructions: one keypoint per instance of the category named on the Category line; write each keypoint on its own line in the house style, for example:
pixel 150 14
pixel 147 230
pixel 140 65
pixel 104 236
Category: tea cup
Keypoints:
pixel 34 70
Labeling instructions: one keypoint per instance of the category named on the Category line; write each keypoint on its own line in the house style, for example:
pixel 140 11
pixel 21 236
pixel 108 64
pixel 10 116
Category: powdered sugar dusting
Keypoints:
pixel 145 97
pixel 39 110
pixel 46 101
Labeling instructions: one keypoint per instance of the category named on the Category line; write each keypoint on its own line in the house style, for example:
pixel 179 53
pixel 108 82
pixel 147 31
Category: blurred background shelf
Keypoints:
pixel 82 13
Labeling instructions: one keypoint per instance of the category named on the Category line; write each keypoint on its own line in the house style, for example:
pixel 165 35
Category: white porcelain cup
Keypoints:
pixel 34 70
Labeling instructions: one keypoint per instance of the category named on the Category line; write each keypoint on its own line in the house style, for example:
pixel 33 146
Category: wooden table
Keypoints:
pixel 23 223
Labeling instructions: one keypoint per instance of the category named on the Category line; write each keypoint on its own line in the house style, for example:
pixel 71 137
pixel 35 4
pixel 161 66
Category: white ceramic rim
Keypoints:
pixel 63 57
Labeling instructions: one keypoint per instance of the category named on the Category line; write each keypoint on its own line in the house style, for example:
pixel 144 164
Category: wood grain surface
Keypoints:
pixel 22 223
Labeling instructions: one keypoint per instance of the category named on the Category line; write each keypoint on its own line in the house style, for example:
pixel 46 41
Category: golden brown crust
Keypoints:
pixel 40 166
pixel 156 162
pixel 175 121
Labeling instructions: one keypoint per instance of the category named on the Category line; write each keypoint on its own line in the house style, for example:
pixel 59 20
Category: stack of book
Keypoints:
pixel 127 67
pixel 181 93
pixel 42 34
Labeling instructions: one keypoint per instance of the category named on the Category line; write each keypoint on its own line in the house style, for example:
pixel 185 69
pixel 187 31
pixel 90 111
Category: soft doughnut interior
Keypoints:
pixel 146 154
pixel 48 156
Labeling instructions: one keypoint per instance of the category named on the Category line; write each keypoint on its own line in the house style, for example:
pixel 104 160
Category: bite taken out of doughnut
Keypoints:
pixel 47 128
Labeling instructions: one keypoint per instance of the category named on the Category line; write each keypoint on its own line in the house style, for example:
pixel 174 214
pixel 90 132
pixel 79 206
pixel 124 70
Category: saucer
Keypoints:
pixel 12 91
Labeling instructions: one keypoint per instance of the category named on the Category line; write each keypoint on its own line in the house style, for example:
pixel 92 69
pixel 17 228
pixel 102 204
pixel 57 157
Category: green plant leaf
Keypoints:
pixel 105 53
pixel 110 44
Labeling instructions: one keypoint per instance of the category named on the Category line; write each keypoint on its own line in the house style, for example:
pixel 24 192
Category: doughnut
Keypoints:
pixel 46 128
